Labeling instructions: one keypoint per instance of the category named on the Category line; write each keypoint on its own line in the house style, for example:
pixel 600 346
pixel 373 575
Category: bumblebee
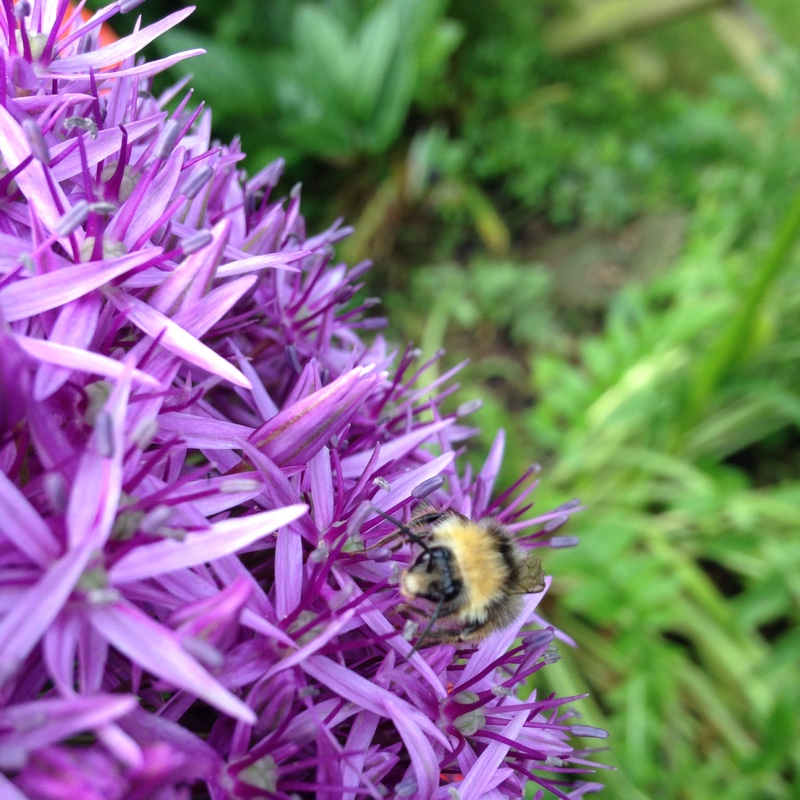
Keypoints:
pixel 473 570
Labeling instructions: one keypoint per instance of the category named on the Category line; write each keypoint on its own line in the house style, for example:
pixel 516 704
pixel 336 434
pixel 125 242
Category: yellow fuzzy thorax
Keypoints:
pixel 484 571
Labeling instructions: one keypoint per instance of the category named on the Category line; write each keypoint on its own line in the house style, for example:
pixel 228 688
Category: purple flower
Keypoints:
pixel 194 441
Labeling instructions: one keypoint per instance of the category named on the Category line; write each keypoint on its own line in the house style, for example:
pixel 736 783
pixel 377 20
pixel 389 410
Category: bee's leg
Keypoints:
pixel 442 636
pixel 397 535
pixel 432 635
pixel 475 631
pixel 386 540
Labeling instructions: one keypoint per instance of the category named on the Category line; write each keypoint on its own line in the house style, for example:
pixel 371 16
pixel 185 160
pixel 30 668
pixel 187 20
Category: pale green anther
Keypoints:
pixel 263 774
pixel 103 207
pixel 126 525
pixel 103 597
pixel 551 655
pixel 407 788
pixel 144 434
pixel 472 721
pixel 110 249
pixel 84 123
pixel 128 182
pixel 93 579
pixel 98 393
pixel 320 554
pixel 302 619
pixel 37 41
pixel 469 724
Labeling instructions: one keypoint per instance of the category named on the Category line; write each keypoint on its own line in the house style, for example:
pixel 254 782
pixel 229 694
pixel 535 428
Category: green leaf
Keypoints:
pixel 231 79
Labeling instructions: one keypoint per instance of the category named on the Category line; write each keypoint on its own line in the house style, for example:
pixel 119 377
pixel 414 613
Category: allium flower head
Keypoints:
pixel 195 442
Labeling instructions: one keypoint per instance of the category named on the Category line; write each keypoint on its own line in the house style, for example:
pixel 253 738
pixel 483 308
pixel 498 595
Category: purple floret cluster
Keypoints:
pixel 195 441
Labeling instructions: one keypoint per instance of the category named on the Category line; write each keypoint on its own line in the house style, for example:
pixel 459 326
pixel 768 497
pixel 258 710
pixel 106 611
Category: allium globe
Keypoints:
pixel 194 440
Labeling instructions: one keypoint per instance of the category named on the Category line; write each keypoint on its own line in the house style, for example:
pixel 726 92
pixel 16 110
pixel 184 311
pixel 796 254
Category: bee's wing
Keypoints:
pixel 532 578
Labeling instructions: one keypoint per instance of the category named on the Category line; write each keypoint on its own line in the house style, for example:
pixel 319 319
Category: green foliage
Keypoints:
pixel 677 425
pixel 689 563
pixel 580 140
pixel 508 299
pixel 340 78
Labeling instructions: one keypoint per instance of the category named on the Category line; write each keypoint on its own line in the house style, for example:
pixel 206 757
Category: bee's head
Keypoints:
pixel 433 576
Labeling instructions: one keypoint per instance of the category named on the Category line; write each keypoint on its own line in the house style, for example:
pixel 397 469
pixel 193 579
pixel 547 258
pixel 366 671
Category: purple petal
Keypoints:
pixel 322 489
pixel 479 778
pixel 260 625
pixel 106 145
pixel 491 467
pixel 423 759
pixel 377 622
pixel 353 465
pixel 201 315
pixel 29 726
pixel 14 149
pixel 400 486
pixel 10 792
pixel 289 565
pixel 265 406
pixel 97 486
pixel 157 650
pixel 147 202
pixel 223 538
pixel 75 326
pixel 149 727
pixel 187 284
pixel 30 296
pixel 84 360
pixel 203 432
pixel 221 494
pixel 317 643
pixel 366 694
pixel 358 741
pixel 143 70
pixel 22 525
pixel 118 51
pixel 257 263
pixel 36 609
pixel 59 648
pixel 174 338
pixel 299 430
pixel 120 745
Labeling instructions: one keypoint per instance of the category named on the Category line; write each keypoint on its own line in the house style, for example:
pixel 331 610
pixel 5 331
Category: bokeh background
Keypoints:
pixel 597 203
